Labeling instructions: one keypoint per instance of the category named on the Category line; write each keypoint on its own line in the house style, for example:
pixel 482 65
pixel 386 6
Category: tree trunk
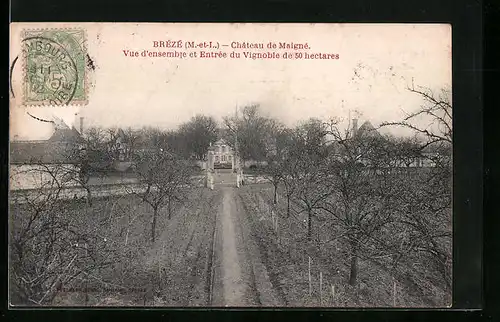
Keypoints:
pixel 169 208
pixel 354 267
pixel 89 196
pixel 288 206
pixel 309 224
pixel 153 225
pixel 275 199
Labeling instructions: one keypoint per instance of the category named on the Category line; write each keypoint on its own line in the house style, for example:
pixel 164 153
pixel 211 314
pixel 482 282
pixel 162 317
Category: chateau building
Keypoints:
pixel 220 156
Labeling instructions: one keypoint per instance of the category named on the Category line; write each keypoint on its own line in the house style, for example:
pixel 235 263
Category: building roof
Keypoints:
pixel 54 150
pixel 219 142
pixel 28 152
pixel 66 135
pixel 40 152
pixel 367 129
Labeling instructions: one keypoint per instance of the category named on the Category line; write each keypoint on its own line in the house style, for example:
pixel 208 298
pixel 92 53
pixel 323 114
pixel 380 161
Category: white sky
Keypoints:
pixel 165 92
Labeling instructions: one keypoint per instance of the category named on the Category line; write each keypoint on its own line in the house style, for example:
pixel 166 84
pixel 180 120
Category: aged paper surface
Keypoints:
pixel 193 164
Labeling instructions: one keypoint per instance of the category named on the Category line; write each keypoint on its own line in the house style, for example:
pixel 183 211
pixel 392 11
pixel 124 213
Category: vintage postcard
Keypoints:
pixel 230 165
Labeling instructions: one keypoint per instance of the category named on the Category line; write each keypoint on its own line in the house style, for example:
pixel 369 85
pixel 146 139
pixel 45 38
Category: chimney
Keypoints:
pixel 354 126
pixel 81 125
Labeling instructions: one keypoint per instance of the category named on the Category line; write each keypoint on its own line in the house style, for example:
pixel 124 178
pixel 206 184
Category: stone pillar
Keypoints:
pixel 210 161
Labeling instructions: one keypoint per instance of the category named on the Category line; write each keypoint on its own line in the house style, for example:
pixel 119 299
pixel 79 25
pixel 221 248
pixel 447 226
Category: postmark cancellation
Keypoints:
pixel 54 67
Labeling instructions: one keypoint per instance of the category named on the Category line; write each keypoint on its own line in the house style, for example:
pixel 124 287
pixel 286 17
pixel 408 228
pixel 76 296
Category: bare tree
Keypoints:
pixel 289 178
pixel 408 150
pixel 362 202
pixel 276 148
pixel 273 172
pixel 198 133
pixel 90 157
pixel 310 171
pixel 292 158
pixel 425 213
pixel 437 108
pixel 49 247
pixel 131 139
pixel 112 143
pixel 311 135
pixel 165 177
pixel 153 138
pixel 426 201
pixel 253 131
pixel 311 190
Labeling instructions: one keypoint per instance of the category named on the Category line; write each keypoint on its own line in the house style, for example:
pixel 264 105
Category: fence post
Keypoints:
pixel 333 294
pixel 310 285
pixel 277 233
pixel 159 272
pixel 394 291
pixel 321 288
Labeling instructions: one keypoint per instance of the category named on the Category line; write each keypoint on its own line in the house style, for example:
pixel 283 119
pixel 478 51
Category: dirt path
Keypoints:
pixel 241 279
pixel 234 286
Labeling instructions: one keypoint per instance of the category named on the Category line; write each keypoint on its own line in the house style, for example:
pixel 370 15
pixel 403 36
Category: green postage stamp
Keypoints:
pixel 54 67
